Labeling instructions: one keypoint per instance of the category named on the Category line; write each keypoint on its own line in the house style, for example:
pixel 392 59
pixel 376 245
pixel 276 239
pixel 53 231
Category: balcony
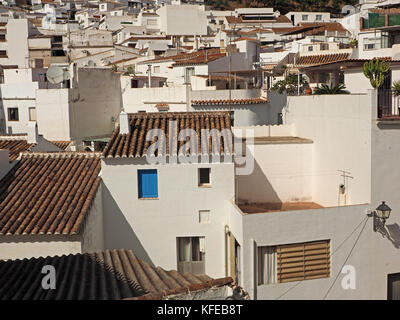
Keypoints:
pixel 388 105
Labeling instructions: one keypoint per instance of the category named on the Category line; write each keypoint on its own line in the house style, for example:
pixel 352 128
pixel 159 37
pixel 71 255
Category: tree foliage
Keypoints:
pixel 375 70
pixel 289 85
pixel 325 89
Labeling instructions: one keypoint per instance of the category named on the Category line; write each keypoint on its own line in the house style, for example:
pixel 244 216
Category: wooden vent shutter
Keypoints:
pixel 302 261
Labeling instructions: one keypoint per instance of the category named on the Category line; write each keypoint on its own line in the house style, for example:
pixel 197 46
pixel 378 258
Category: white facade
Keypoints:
pixel 182 20
pixel 307 17
pixel 151 227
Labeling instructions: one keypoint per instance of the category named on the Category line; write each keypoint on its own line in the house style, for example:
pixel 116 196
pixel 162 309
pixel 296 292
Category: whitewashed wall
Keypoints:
pixel 150 227
pixel 340 127
pixel 283 172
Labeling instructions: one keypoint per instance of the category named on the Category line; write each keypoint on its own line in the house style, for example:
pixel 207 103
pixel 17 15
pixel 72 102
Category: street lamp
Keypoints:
pixel 381 214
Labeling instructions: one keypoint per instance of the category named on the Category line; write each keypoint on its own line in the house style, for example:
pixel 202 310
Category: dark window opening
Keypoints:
pixel 13 114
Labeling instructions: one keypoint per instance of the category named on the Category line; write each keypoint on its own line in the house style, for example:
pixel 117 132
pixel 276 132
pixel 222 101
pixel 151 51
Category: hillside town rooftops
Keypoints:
pixel 48 193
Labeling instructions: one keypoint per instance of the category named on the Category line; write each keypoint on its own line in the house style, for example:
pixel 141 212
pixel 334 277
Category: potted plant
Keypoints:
pixel 396 88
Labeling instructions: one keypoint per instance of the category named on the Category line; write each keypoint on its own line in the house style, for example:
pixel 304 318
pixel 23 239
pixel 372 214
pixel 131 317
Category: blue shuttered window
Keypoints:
pixel 147 183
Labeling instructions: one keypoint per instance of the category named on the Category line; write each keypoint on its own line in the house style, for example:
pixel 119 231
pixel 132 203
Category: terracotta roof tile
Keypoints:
pixel 134 144
pixel 48 193
pixel 108 275
pixel 14 146
pixel 202 59
pixel 227 102
pixel 322 58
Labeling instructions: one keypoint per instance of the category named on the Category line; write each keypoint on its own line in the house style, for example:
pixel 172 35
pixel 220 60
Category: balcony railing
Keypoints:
pixel 388 104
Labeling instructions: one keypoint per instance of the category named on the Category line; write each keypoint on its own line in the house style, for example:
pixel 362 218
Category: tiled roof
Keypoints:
pixel 14 146
pixel 107 275
pixel 322 58
pixel 184 56
pixel 134 144
pixel 323 26
pixel 202 59
pixel 48 193
pixel 227 102
pixel 233 19
pixel 61 144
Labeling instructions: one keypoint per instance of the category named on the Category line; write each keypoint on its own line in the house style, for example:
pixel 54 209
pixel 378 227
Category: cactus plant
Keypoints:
pixel 375 70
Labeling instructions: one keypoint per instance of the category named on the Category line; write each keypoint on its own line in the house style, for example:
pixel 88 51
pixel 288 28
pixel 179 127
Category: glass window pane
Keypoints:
pixel 184 249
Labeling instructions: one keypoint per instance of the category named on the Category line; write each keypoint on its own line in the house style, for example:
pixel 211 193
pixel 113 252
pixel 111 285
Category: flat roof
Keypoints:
pixel 277 207
pixel 280 140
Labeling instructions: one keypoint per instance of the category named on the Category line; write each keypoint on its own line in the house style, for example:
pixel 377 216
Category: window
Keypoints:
pixel 293 262
pixel 310 48
pixel 318 17
pixel 324 46
pixel 191 254
pixel 204 176
pixel 3 54
pixel 38 63
pixel 134 83
pixel 204 216
pixel 304 17
pixel 156 69
pixel 393 286
pixel 32 114
pixel 369 46
pixel 13 114
pixel 188 73
pixel 151 22
pixel 147 184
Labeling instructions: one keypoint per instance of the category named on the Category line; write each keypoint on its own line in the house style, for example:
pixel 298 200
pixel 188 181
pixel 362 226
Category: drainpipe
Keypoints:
pixel 253 267
pixel 149 75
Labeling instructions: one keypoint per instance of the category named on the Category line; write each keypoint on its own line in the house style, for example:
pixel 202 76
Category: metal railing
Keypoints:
pixel 388 104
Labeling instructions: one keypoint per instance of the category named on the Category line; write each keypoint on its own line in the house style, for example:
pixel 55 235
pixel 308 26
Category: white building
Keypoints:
pixel 300 17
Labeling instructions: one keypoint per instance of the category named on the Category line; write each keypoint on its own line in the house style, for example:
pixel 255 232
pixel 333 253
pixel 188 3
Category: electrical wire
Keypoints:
pixel 345 261
pixel 336 250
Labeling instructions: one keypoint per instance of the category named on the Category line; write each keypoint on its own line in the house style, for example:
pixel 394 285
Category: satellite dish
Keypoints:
pixel 91 63
pixel 55 74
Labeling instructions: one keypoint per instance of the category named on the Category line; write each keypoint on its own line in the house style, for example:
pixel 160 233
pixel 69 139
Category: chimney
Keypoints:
pixel 4 163
pixel 33 134
pixel 124 127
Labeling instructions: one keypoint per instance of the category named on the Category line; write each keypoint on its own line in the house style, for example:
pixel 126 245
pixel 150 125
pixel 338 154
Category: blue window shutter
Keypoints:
pixel 147 183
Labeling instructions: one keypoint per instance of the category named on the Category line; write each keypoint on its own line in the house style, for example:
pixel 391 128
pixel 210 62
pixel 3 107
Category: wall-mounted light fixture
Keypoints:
pixel 380 215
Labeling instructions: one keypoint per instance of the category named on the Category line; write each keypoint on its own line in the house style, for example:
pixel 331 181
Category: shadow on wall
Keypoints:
pixel 392 233
pixel 118 233
pixel 2 116
pixel 248 193
pixel 277 102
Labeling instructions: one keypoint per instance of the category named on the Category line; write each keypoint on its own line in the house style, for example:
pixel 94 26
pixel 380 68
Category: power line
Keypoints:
pixel 347 258
pixel 336 250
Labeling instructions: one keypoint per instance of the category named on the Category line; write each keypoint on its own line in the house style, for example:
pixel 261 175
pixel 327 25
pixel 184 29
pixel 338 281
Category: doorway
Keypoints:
pixel 393 292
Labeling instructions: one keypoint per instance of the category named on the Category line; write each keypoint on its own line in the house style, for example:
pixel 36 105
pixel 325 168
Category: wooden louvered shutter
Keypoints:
pixel 302 261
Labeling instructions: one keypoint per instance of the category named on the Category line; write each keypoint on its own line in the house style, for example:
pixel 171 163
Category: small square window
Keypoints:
pixel 304 17
pixel 147 184
pixel 204 216
pixel 13 114
pixel 318 17
pixel 32 114
pixel 204 176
